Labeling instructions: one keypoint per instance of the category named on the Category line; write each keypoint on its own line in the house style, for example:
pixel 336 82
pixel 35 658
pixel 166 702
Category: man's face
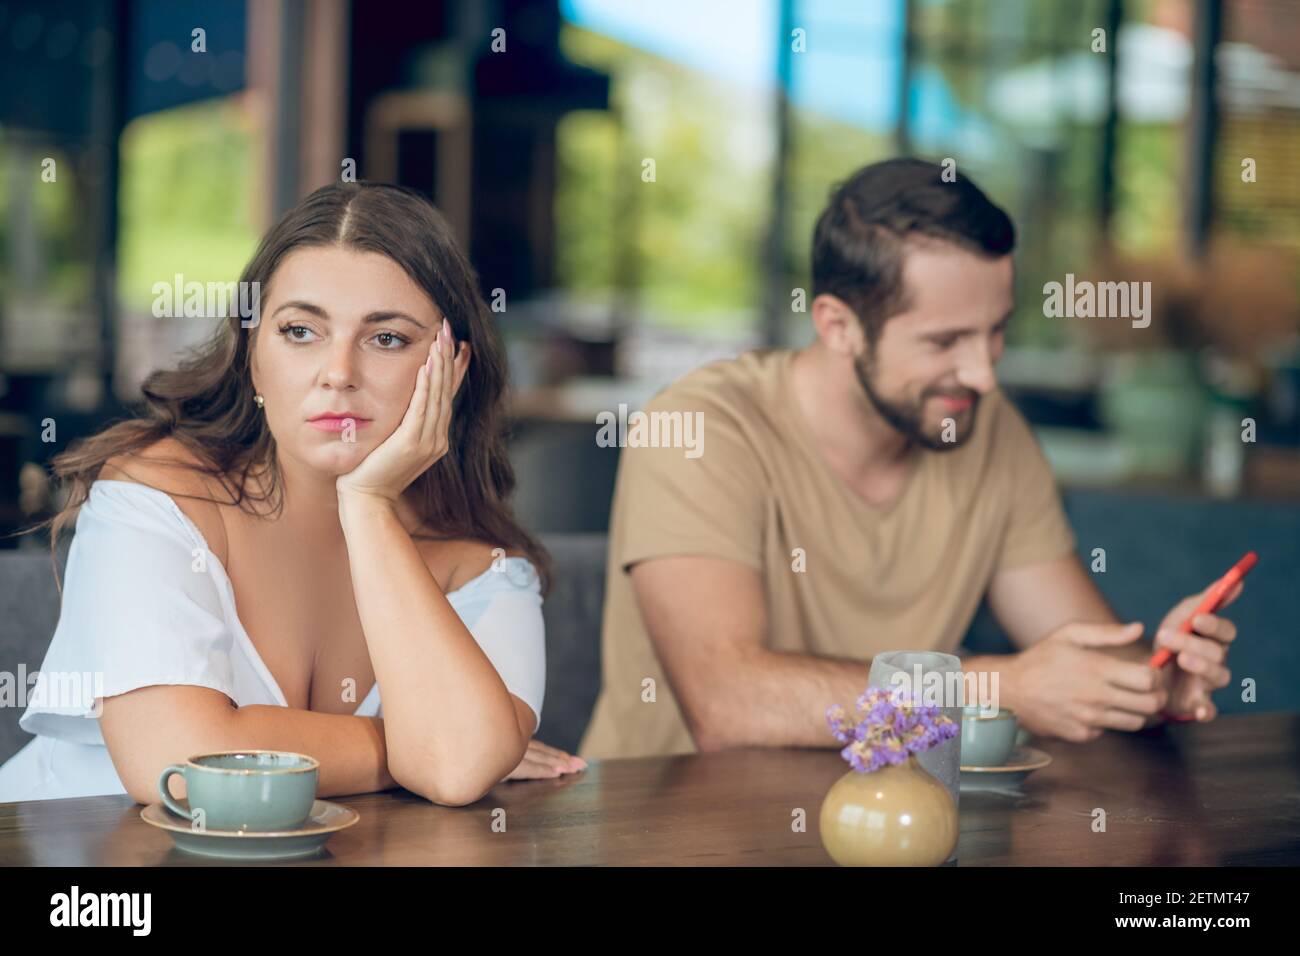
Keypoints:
pixel 933 362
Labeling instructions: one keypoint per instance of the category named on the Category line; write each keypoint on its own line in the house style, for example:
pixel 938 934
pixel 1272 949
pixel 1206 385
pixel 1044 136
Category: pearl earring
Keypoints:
pixel 259 400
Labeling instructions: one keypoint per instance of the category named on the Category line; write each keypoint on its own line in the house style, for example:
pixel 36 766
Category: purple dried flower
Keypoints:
pixel 838 724
pixel 889 727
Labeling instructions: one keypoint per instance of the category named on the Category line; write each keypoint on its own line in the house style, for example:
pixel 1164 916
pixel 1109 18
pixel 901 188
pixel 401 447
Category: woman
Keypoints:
pixel 245 571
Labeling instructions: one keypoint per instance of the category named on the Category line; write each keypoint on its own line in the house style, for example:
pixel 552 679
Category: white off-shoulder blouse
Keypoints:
pixel 146 602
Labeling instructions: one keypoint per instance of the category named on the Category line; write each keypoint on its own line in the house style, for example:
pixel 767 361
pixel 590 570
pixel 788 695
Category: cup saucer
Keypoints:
pixel 325 820
pixel 1022 762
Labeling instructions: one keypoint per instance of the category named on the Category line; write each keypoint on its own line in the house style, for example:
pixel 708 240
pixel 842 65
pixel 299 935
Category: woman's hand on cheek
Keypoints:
pixel 421 437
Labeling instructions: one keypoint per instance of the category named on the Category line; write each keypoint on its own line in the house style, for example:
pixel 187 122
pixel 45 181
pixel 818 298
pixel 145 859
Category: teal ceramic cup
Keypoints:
pixel 260 790
pixel 987 739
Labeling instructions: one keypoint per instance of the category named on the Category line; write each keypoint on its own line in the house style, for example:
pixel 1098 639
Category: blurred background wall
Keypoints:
pixel 1166 152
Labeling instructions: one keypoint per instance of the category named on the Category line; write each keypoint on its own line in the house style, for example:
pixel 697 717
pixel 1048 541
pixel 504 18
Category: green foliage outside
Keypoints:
pixel 188 191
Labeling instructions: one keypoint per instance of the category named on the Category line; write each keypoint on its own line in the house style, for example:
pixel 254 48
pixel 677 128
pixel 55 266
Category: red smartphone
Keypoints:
pixel 1213 600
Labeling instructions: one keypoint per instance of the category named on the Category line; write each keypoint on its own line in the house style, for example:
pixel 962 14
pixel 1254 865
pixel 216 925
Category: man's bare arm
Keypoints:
pixel 1033 601
pixel 707 620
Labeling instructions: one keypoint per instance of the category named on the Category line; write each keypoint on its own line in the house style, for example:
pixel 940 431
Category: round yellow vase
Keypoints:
pixel 898 815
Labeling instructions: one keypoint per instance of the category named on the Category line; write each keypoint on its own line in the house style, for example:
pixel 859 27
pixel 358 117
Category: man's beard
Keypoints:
pixel 908 418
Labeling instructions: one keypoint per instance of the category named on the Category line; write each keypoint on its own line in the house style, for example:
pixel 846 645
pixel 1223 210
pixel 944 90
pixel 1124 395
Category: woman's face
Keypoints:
pixel 343 332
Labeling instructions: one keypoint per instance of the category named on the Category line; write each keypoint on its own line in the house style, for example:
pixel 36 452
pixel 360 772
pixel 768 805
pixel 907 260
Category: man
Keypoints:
pixel 863 495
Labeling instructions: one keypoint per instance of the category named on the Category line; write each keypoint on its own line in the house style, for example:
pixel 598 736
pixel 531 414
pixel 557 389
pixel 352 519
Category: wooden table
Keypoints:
pixel 1223 793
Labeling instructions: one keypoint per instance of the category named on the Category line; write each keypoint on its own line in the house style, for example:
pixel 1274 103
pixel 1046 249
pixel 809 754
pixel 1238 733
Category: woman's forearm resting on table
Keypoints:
pixel 350 749
pixel 449 721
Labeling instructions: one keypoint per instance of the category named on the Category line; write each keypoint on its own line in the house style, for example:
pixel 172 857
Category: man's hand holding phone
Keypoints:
pixel 1201 656
pixel 1064 686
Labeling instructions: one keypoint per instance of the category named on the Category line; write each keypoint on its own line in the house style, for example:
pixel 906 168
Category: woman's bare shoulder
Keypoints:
pixel 172 468
pixel 459 561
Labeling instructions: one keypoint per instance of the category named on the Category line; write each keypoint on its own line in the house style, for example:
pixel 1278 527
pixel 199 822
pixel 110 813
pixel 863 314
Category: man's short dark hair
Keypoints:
pixel 858 244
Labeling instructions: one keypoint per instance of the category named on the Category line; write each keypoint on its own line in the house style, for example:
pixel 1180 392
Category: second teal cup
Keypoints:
pixel 987 741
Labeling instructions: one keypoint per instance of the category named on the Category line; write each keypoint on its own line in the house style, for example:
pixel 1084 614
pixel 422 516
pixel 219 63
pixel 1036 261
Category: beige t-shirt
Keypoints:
pixel 907 576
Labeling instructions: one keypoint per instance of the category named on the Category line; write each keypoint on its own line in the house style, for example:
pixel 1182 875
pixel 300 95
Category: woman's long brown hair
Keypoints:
pixel 206 403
